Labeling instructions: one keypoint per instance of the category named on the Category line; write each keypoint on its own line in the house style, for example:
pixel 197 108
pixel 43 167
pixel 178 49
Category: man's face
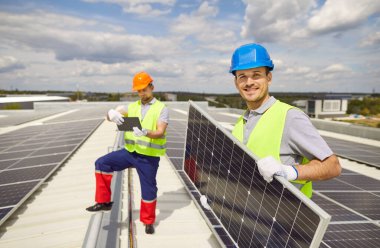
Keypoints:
pixel 252 84
pixel 146 93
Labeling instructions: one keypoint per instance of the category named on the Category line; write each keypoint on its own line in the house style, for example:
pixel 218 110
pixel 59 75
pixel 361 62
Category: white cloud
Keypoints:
pixel 211 69
pixel 191 48
pixel 207 10
pixel 274 21
pixel 297 70
pixel 271 21
pixel 200 25
pixel 159 69
pixel 143 8
pixel 70 38
pixel 340 15
pixel 336 68
pixel 278 64
pixel 371 40
pixel 9 63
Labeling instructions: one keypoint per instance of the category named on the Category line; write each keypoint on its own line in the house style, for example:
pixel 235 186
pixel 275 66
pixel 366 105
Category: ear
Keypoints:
pixel 269 78
pixel 152 87
pixel 236 84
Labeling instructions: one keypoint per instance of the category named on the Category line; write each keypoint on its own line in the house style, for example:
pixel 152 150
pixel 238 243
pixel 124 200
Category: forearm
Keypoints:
pixel 154 134
pixel 317 170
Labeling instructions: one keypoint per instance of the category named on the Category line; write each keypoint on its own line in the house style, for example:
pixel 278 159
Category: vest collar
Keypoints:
pixel 248 113
pixel 149 103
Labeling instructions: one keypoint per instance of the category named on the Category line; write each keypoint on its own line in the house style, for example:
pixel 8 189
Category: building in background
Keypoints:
pixel 27 101
pixel 170 97
pixel 325 106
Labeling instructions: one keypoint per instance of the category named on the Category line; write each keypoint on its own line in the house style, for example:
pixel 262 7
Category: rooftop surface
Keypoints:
pixel 54 216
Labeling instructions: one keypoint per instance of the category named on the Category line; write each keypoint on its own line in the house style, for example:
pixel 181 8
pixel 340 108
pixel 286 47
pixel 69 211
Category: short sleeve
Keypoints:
pixel 302 138
pixel 164 115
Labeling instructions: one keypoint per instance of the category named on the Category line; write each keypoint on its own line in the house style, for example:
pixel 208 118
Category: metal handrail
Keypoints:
pixel 131 230
pixel 104 227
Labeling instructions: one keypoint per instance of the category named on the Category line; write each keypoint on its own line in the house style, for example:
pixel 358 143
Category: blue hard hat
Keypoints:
pixel 250 56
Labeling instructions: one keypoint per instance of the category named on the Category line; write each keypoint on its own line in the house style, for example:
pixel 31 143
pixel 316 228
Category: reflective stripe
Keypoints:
pixel 145 143
pixel 128 141
pixel 149 201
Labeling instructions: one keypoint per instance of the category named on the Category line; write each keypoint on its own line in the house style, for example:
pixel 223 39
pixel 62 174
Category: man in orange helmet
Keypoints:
pixel 143 149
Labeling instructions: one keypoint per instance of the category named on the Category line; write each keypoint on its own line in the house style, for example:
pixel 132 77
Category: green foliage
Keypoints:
pixel 76 96
pixel 217 105
pixel 232 101
pixel 160 96
pixel 367 106
pixel 113 97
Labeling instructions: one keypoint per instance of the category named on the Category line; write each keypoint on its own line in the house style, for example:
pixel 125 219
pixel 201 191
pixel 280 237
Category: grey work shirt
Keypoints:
pixel 299 139
pixel 164 115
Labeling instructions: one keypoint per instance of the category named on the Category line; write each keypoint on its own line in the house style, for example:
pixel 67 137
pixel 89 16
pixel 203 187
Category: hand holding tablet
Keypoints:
pixel 129 123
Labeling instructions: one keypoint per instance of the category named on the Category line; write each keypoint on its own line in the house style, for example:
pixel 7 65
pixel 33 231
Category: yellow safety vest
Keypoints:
pixel 265 139
pixel 145 145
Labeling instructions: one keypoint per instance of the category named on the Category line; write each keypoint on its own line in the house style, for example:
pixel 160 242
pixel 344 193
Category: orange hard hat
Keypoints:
pixel 141 80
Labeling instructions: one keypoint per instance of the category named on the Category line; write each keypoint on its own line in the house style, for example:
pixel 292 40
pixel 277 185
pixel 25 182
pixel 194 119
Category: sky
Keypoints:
pixel 98 45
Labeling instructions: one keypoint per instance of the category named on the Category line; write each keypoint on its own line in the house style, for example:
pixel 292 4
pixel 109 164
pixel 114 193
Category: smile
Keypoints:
pixel 250 89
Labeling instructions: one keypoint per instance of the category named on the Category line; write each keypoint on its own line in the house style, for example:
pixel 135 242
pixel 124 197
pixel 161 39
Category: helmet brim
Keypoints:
pixel 251 66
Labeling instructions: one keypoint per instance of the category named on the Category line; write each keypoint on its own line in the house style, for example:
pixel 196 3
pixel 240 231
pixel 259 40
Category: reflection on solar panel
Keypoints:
pixel 253 212
pixel 30 155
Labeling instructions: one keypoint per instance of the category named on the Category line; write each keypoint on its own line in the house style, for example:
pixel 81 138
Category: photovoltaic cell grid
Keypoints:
pixel 176 132
pixel 355 151
pixel 255 213
pixel 97 112
pixel 352 235
pixel 12 118
pixel 360 210
pixel 29 155
pixel 354 202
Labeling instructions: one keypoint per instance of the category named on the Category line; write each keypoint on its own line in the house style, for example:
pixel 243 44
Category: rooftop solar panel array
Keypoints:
pixel 97 112
pixel 355 220
pixel 17 117
pixel 355 151
pixel 28 156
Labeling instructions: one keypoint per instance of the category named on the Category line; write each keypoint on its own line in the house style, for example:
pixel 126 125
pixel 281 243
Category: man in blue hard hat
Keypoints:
pixel 280 135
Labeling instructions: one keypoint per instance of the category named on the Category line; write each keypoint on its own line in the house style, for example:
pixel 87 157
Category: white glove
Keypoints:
pixel 268 167
pixel 115 116
pixel 138 133
pixel 204 202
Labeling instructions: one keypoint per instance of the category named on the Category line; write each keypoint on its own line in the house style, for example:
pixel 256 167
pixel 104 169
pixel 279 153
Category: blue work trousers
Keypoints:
pixel 146 167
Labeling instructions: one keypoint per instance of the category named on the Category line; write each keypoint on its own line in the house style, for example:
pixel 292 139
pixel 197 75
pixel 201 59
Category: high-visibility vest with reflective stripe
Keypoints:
pixel 265 139
pixel 145 145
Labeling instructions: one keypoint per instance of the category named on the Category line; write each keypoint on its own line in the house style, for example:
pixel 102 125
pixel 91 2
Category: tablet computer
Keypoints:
pixel 129 123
